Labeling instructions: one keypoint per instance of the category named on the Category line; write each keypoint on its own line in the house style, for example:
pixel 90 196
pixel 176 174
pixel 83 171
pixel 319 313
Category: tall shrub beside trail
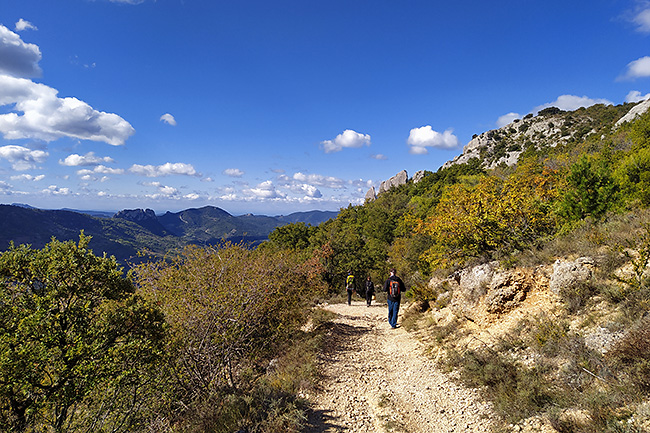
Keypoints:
pixel 77 346
pixel 229 309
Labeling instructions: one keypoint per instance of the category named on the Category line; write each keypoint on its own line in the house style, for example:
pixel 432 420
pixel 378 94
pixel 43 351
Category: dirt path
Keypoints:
pixel 378 379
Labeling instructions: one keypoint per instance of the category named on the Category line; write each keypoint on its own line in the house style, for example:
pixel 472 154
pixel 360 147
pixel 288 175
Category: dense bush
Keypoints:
pixel 77 346
pixel 230 310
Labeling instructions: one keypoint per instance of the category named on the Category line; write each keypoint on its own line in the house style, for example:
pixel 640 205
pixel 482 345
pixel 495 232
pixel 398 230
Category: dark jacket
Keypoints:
pixel 402 288
pixel 370 287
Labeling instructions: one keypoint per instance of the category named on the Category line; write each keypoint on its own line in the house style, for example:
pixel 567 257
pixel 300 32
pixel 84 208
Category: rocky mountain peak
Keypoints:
pixel 136 215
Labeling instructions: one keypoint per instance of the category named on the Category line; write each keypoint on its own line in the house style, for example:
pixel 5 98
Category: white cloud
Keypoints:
pixel 18 58
pixel 168 119
pixel 309 191
pixel 128 2
pixel 639 68
pixel 22 158
pixel 47 117
pixel 192 196
pixel 28 177
pixel 89 175
pixel 24 25
pixel 347 138
pixel 506 119
pixel 642 20
pixel 319 180
pixel 166 169
pixel 379 156
pixel 636 96
pixel 164 191
pixel 423 137
pixel 233 172
pixel 88 159
pixel 572 102
pixel 55 190
pixel 265 190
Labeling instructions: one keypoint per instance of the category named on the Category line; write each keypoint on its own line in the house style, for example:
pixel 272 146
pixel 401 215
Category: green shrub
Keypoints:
pixel 230 310
pixel 77 346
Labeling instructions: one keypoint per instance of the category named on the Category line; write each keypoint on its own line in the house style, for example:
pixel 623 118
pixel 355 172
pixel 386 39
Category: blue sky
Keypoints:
pixel 272 107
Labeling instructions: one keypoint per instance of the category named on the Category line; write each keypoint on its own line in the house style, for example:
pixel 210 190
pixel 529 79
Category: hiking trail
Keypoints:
pixel 379 379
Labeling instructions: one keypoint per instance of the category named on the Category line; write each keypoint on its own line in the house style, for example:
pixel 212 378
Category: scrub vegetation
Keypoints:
pixel 192 342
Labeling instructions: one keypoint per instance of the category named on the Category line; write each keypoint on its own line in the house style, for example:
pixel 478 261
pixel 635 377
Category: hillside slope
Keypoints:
pixel 131 231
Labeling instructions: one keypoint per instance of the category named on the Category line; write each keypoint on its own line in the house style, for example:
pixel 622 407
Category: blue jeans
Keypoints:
pixel 393 309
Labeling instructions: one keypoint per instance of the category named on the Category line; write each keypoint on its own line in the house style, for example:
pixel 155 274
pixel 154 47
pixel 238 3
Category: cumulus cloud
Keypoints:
pixel 28 177
pixel 22 158
pixel 18 58
pixel 636 96
pixel 639 68
pixel 89 175
pixel 572 102
pixel 423 137
pixel 507 119
pixel 164 191
pixel 233 172
pixel 88 159
pixel 379 156
pixel 265 190
pixel 55 190
pixel 642 20
pixel 48 117
pixel 24 25
pixel 310 191
pixel 319 180
pixel 347 138
pixel 166 169
pixel 168 119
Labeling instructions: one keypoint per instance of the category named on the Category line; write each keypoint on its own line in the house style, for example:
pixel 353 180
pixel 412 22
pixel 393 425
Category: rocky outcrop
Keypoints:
pixel 371 194
pixel 418 176
pixel 399 179
pixel 567 274
pixel 145 218
pixel 507 290
pixel 136 215
pixel 548 129
pixel 506 144
pixel 635 111
pixel 486 287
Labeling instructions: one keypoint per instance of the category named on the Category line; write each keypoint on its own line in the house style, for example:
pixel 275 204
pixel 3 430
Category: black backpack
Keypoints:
pixel 393 288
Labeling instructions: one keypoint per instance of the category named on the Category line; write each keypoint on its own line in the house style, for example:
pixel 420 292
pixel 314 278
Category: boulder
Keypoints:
pixel 567 274
pixel 506 291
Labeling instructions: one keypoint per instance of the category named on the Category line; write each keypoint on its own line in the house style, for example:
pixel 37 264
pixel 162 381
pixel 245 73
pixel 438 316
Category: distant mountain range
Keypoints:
pixel 130 231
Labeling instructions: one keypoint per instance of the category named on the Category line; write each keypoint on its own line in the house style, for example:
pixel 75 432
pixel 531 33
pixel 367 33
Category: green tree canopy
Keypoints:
pixel 70 325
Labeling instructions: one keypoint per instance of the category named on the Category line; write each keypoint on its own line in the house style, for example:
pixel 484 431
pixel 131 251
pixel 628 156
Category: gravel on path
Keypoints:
pixel 379 379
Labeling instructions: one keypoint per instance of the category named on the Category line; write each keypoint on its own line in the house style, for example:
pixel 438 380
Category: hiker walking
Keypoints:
pixel 394 286
pixel 349 286
pixel 370 290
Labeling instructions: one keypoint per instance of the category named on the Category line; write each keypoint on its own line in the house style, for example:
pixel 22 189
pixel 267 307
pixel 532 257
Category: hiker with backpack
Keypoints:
pixel 370 290
pixel 349 286
pixel 394 286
